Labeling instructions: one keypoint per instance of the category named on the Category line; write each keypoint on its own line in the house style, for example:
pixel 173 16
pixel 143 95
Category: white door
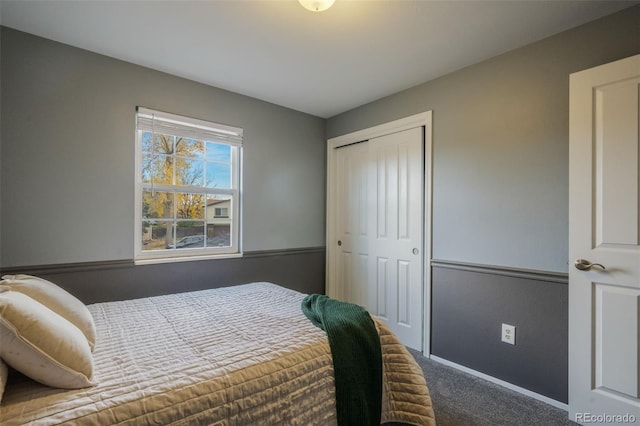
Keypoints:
pixel 352 212
pixel 379 219
pixel 604 228
pixel 395 232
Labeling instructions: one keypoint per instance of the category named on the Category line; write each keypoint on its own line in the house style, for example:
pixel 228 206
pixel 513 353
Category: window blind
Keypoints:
pixel 163 122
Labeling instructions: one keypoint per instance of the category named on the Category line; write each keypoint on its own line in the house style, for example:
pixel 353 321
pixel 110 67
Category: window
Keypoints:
pixel 222 212
pixel 187 187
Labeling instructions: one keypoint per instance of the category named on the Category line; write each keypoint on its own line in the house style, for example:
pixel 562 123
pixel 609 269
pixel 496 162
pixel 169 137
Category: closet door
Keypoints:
pixel 379 222
pixel 353 179
pixel 395 232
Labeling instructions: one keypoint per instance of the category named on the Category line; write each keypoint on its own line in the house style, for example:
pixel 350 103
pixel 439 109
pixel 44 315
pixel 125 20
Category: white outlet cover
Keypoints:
pixel 509 334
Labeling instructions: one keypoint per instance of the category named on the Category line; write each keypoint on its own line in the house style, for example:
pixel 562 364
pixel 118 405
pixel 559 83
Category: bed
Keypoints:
pixel 237 355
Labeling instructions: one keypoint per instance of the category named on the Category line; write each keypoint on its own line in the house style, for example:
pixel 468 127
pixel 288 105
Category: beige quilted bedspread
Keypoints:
pixel 243 355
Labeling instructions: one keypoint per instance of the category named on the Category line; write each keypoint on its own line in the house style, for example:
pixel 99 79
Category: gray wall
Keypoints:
pixel 500 198
pixel 500 159
pixel 471 304
pixel 91 282
pixel 67 170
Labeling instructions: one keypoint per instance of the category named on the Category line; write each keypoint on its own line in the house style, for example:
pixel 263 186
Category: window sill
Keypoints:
pixel 158 260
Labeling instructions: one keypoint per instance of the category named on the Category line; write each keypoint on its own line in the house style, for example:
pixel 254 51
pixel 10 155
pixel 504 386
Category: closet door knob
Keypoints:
pixel 339 243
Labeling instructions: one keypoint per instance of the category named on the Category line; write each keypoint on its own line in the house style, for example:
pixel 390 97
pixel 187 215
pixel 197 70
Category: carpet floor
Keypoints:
pixel 460 399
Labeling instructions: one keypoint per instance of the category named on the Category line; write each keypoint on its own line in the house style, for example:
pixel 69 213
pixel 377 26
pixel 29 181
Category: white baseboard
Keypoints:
pixel 502 383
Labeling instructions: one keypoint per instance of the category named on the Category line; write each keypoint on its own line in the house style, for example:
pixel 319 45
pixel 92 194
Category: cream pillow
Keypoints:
pixel 57 299
pixel 4 372
pixel 42 344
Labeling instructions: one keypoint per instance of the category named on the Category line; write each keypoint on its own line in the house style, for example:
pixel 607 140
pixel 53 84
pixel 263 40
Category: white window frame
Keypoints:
pixel 201 130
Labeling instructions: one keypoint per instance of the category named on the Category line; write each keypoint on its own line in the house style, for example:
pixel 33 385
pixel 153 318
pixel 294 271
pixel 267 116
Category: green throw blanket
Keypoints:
pixel 357 357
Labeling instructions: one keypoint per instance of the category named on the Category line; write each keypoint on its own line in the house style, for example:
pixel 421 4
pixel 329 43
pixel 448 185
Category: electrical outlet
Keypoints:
pixel 509 334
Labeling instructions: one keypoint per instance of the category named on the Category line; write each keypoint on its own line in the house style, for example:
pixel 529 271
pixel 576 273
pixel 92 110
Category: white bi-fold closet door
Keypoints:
pixel 376 236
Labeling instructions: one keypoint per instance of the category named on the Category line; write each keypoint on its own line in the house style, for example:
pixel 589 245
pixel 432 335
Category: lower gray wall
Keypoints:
pixel 469 305
pixel 302 270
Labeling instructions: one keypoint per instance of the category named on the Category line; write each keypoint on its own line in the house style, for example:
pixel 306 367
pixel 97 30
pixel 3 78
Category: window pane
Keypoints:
pixel 218 152
pixel 161 144
pixel 146 142
pixel 218 226
pixel 157 204
pixel 218 175
pixel 156 235
pixel 189 172
pixel 190 206
pixel 189 148
pixel 157 168
pixel 189 234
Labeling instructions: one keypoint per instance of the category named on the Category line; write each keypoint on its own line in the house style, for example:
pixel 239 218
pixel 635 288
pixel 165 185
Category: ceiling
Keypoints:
pixel 319 63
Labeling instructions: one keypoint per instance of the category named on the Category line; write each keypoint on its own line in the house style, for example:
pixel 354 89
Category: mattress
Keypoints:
pixel 238 355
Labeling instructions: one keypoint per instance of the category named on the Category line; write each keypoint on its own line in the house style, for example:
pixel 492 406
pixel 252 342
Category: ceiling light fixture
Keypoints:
pixel 316 5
